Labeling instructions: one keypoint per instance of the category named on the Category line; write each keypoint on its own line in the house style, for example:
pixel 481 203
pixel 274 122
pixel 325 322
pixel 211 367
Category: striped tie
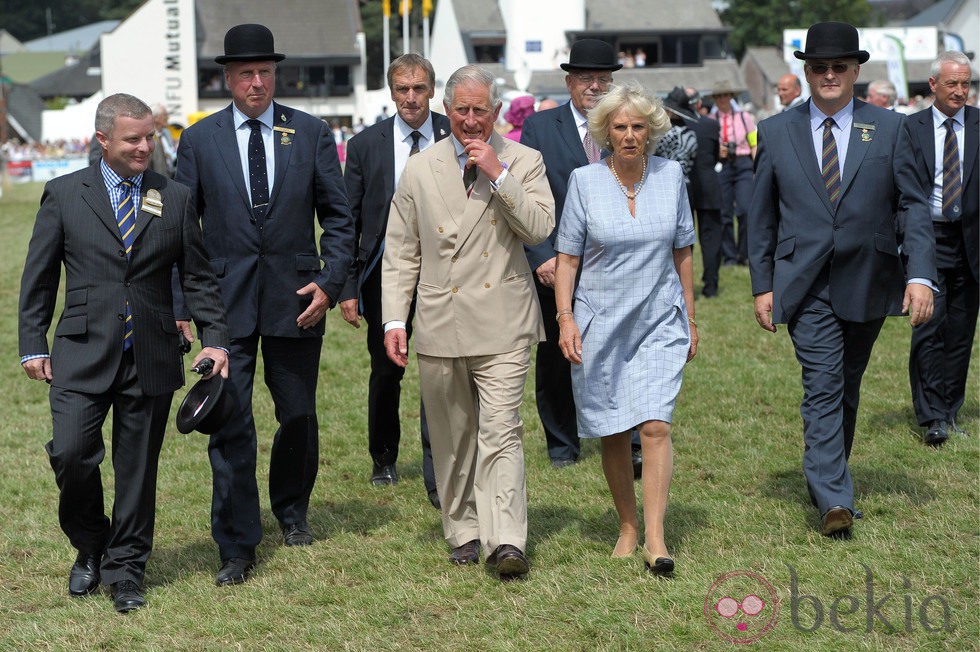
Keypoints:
pixel 469 177
pixel 952 183
pixel 416 135
pixel 126 219
pixel 830 168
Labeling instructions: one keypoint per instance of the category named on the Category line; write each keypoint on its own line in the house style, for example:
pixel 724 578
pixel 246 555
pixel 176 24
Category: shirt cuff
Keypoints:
pixel 393 324
pixel 503 175
pixel 924 281
pixel 33 356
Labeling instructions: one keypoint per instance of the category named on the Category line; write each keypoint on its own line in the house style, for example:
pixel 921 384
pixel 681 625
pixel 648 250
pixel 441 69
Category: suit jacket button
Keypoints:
pixel 493 222
pixel 120 317
pixel 122 253
pixel 485 254
pixel 440 229
pixel 486 285
pixel 455 290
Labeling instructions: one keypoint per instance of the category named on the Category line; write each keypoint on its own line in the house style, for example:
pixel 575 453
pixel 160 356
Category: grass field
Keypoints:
pixel 738 523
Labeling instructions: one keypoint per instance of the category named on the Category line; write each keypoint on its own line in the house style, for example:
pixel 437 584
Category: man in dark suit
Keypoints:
pixel 118 229
pixel 833 177
pixel 560 135
pixel 258 172
pixel 375 160
pixel 946 162
pixel 706 191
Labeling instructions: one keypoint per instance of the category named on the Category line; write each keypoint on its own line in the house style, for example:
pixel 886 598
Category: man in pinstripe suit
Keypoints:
pixel 118 229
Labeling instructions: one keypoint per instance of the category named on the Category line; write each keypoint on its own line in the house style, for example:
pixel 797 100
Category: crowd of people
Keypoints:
pixel 574 234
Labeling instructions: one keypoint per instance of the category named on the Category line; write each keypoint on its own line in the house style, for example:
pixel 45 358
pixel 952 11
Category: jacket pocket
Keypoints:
pixel 74 325
pixel 168 323
pixel 785 248
pixel 307 263
pixel 886 244
pixel 77 297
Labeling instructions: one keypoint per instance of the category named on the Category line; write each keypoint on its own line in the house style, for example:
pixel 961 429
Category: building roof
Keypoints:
pixel 657 16
pixel 78 80
pixel 769 60
pixel 936 15
pixel 25 107
pixel 77 40
pixel 25 67
pixel 304 29
pixel 9 43
pixel 478 16
pixel 659 80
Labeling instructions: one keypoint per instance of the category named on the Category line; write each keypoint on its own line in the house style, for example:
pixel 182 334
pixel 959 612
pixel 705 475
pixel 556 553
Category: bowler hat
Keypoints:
pixel 832 41
pixel 205 408
pixel 678 102
pixel 249 42
pixel 591 54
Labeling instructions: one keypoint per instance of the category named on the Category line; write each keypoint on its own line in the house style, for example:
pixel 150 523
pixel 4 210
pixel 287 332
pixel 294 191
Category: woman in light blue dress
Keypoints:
pixel 627 229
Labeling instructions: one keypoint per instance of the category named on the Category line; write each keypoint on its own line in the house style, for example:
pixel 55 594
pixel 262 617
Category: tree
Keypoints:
pixel 761 22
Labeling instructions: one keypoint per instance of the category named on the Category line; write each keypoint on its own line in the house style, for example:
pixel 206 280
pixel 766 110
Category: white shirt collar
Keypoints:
pixel 403 130
pixel 938 117
pixel 842 118
pixel 266 118
pixel 579 118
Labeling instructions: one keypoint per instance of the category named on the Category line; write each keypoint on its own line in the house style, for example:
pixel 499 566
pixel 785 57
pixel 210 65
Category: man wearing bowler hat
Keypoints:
pixel 260 175
pixel 561 135
pixel 835 181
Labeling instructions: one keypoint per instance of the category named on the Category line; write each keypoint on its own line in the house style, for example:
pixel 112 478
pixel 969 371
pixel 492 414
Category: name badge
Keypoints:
pixel 153 203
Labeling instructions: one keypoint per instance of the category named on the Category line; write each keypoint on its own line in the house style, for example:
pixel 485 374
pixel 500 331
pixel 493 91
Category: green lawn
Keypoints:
pixel 378 577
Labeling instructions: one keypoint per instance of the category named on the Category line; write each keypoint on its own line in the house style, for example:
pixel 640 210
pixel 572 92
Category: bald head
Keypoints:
pixel 788 88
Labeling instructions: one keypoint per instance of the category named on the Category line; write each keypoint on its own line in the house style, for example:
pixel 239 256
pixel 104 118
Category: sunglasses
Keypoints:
pixel 822 68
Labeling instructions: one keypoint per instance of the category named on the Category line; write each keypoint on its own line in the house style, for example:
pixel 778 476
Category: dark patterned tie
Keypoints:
pixel 469 176
pixel 258 176
pixel 830 168
pixel 415 143
pixel 591 149
pixel 952 183
pixel 126 219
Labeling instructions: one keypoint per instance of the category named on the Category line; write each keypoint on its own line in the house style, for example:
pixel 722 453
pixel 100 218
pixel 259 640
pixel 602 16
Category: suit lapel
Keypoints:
pixel 927 141
pixel 802 140
pixel 282 146
pixel 480 198
pixel 445 170
pixel 971 141
pixel 151 181
pixel 565 123
pixel 387 136
pixel 94 194
pixel 227 145
pixel 857 147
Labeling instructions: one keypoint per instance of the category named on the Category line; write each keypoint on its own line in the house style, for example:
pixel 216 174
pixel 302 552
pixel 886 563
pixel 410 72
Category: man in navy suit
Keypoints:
pixel 559 134
pixel 261 174
pixel 833 177
pixel 118 229
pixel 940 355
pixel 706 191
pixel 375 160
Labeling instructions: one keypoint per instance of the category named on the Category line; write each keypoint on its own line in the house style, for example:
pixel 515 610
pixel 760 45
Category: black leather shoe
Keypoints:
pixel 466 554
pixel 297 534
pixel 509 561
pixel 562 462
pixel 234 571
pixel 836 521
pixel 434 499
pixel 384 475
pixel 84 575
pixel 637 465
pixel 709 291
pixel 127 596
pixel 937 434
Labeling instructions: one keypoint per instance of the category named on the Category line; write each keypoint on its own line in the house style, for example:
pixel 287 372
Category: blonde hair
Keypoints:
pixel 636 99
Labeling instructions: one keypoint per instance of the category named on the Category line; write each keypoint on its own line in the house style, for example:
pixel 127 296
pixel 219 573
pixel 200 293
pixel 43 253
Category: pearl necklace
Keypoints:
pixel 622 186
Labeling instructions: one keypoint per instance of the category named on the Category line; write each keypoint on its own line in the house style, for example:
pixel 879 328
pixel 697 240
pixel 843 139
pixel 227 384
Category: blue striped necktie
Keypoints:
pixel 952 184
pixel 830 167
pixel 126 219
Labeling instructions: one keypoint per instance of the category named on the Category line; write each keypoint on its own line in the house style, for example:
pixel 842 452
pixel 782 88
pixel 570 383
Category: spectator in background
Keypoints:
pixel 706 190
pixel 520 108
pixel 736 151
pixel 546 103
pixel 881 92
pixel 789 90
pixel 679 143
pixel 164 158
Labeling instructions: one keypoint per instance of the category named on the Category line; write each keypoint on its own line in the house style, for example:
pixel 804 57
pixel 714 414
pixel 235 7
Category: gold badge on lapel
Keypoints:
pixel 287 134
pixel 153 202
pixel 867 131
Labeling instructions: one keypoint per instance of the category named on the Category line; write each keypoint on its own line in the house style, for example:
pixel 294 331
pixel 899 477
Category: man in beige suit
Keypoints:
pixel 462 212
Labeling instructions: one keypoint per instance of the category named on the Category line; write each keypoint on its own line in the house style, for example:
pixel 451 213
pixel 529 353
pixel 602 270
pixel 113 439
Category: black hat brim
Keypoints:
pixel 570 67
pixel 861 55
pixel 257 56
pixel 205 408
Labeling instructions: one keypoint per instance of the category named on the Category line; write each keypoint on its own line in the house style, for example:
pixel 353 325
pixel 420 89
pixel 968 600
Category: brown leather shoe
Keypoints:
pixel 468 553
pixel 510 562
pixel 837 519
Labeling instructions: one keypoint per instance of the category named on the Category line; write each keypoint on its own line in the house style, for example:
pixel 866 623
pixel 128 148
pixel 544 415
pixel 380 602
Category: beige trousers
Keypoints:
pixel 473 405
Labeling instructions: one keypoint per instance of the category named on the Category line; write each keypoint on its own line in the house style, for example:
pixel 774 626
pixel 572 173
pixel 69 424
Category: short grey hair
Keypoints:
pixel 412 61
pixel 473 74
pixel 159 109
pixel 118 105
pixel 634 97
pixel 950 56
pixel 884 88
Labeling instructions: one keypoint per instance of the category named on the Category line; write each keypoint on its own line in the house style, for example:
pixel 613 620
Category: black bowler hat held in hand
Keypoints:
pixel 249 42
pixel 591 54
pixel 205 408
pixel 832 41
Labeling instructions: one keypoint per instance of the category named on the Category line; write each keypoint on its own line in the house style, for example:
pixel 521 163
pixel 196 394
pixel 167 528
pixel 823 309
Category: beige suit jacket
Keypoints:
pixel 464 256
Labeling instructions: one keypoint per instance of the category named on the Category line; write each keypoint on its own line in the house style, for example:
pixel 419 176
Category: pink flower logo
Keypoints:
pixel 741 606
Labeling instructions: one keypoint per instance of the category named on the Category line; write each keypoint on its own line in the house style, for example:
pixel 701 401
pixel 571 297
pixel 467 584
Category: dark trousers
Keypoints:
pixel 291 371
pixel 384 386
pixel 736 195
pixel 833 354
pixel 709 235
pixel 77 449
pixel 553 386
pixel 939 359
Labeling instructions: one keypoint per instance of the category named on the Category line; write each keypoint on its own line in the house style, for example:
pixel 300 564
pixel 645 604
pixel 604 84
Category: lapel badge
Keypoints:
pixel 153 202
pixel 282 117
pixel 285 140
pixel 867 131
pixel 287 134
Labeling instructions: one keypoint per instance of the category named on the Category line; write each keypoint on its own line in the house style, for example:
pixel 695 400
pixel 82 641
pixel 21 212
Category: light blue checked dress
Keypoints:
pixel 629 305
